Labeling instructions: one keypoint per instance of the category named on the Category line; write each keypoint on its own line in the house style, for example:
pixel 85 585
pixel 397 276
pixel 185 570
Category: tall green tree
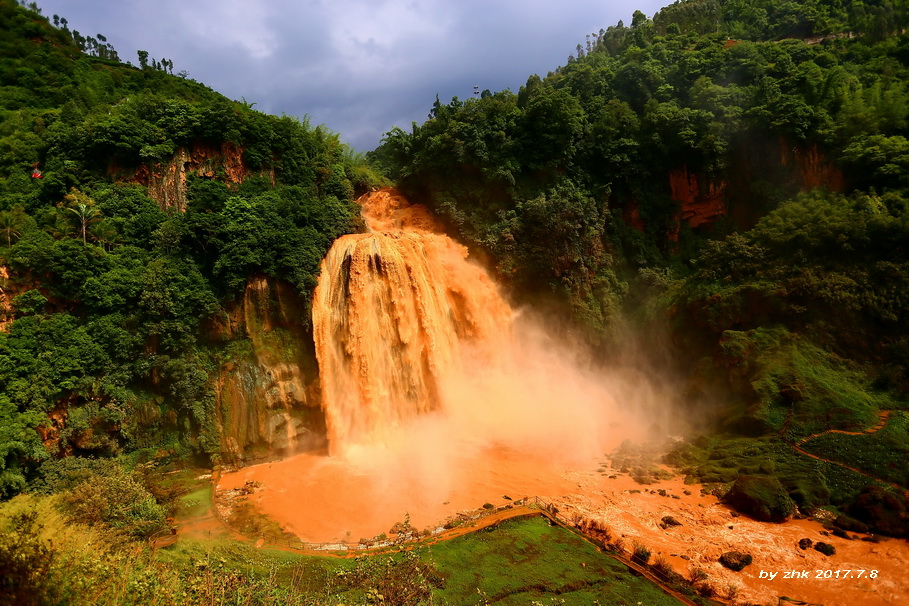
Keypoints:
pixel 84 210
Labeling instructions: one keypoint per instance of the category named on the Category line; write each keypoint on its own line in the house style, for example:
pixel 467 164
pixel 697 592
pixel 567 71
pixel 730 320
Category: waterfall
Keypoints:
pixel 391 314
pixel 438 396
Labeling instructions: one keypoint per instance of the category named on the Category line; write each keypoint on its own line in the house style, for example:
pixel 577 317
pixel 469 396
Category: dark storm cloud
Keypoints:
pixel 357 66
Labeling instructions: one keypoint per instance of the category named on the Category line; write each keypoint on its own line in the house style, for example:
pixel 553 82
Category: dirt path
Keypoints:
pixel 884 417
pixel 844 466
pixel 484 522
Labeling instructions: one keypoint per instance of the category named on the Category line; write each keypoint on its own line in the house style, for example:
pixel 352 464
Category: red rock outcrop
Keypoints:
pixel 50 433
pixel 813 169
pixel 701 201
pixel 631 214
pixel 6 299
pixel 166 181
pixel 10 287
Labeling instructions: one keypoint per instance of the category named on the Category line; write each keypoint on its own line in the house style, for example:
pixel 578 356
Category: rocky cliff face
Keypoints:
pixel 166 181
pixel 701 201
pixel 267 391
pixel 811 166
pixel 631 214
pixel 752 170
pixel 7 293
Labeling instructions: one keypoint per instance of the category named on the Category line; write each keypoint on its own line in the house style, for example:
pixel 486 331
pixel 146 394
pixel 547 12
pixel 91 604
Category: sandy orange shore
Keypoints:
pixel 320 499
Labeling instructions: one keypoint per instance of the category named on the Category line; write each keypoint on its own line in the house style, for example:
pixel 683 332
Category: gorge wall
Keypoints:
pixel 266 389
pixel 743 190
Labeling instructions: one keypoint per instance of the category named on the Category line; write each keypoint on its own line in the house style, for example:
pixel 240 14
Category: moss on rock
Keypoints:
pixel 761 497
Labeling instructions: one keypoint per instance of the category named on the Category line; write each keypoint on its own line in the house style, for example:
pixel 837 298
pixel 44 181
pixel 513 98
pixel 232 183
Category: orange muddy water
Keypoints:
pixel 708 529
pixel 439 397
pixel 324 499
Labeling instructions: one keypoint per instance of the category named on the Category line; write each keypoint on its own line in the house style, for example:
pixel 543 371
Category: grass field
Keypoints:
pixel 521 561
pixel 526 561
pixel 881 454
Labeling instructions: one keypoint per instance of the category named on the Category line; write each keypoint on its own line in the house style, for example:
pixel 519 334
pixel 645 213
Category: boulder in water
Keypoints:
pixel 761 497
pixel 735 560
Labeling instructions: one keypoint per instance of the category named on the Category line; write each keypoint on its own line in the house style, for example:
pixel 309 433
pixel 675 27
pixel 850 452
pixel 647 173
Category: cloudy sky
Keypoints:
pixel 359 67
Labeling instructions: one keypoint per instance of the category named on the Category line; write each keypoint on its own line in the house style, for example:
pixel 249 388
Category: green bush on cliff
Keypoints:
pixel 283 232
pixel 793 387
pixel 827 264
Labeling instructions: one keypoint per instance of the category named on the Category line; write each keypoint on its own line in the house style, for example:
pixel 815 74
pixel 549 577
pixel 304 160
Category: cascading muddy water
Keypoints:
pixel 438 397
pixel 392 312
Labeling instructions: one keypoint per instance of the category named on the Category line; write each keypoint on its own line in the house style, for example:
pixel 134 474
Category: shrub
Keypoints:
pixel 30 302
pixel 661 567
pixel 696 575
pixel 118 501
pixel 641 554
pixel 25 561
pixel 61 475
pixel 664 570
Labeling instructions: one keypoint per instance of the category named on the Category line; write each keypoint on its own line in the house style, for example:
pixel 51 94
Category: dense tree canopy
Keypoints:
pixel 789 122
pixel 108 288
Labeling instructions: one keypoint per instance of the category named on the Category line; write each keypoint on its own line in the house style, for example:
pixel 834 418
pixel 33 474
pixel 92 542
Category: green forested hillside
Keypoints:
pixel 736 167
pixel 771 20
pixel 105 289
pixel 603 134
pixel 735 172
